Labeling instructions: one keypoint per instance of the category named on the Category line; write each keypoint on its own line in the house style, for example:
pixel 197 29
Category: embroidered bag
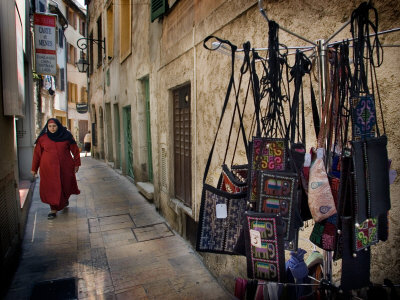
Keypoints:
pixel 232 181
pixel 264 246
pixel 265 154
pixel 221 212
pixel 278 194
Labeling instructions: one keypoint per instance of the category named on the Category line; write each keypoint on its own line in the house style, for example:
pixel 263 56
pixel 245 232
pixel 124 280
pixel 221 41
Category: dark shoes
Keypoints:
pixel 51 216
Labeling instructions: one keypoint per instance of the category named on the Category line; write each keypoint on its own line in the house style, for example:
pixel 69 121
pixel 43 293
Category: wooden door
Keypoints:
pixel 182 145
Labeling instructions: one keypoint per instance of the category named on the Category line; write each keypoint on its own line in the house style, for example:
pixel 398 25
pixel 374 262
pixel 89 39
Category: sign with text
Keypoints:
pixel 45 44
pixel 82 108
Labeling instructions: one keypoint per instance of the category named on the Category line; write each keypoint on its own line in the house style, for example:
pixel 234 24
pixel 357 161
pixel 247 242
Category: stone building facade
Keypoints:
pixel 76 83
pixel 156 95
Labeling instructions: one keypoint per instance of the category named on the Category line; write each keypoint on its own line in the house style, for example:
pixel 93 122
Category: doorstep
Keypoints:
pixel 146 189
pixel 24 186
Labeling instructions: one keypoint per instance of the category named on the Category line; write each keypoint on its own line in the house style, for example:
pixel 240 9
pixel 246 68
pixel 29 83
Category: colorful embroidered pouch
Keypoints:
pixel 264 247
pixel 363 117
pixel 232 181
pixel 265 154
pixel 278 194
pixel 365 234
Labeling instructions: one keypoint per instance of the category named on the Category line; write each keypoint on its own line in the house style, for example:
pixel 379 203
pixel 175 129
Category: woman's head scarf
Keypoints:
pixel 61 135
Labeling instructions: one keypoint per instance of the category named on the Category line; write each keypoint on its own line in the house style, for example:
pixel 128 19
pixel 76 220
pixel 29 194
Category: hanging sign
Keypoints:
pixel 45 44
pixel 81 108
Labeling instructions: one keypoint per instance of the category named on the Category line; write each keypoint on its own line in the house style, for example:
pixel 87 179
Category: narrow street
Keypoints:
pixel 113 242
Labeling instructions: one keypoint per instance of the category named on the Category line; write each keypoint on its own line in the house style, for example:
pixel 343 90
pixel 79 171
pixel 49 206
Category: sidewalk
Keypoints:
pixel 113 242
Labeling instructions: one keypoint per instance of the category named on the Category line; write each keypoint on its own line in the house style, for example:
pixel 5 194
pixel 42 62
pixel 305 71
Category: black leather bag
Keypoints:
pixel 371 171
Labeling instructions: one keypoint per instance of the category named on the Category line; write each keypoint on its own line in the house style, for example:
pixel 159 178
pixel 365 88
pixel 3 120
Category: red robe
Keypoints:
pixel 57 170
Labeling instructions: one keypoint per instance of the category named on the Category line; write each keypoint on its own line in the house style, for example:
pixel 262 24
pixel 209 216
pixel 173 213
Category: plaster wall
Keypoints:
pixel 120 82
pixel 183 59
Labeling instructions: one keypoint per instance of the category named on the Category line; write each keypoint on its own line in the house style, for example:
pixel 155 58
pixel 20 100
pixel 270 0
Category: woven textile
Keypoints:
pixel 232 181
pixel 264 247
pixel 366 234
pixel 364 117
pixel 266 154
pixel 216 233
pixel 278 195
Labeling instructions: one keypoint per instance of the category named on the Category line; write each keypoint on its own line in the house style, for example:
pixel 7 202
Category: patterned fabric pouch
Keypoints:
pixel 233 180
pixel 278 194
pixel 265 154
pixel 324 232
pixel 221 219
pixel 264 246
pixel 363 116
pixel 320 198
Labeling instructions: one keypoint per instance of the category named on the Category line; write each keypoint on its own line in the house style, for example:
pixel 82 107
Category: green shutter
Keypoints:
pixel 158 8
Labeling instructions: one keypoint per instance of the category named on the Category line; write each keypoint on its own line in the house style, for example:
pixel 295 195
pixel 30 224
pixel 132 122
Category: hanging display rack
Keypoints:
pixel 320 48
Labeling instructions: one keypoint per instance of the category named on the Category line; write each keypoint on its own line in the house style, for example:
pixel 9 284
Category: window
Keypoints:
pixel 62 79
pixel 71 18
pixel 60 38
pixel 91 53
pixel 75 16
pixel 83 94
pixel 72 54
pixel 42 6
pixel 158 8
pixel 72 92
pixel 99 45
pixel 82 27
pixel 125 35
pixel 182 145
pixel 110 31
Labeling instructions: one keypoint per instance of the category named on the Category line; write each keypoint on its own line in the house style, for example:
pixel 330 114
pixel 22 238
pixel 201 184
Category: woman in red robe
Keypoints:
pixel 52 155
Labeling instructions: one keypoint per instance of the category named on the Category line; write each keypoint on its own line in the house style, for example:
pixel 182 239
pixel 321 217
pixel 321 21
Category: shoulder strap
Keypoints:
pixel 228 92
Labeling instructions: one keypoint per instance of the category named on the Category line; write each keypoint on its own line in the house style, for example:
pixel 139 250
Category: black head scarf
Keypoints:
pixel 61 135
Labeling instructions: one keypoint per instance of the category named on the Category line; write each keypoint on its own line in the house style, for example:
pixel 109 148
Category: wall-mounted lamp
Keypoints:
pixel 83 64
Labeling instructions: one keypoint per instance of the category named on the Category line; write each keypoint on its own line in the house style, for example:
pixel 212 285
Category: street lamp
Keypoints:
pixel 83 64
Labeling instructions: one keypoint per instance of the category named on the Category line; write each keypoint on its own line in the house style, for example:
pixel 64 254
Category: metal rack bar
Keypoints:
pixel 264 14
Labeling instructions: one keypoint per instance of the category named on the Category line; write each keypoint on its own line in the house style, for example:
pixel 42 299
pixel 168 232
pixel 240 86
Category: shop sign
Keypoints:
pixel 81 108
pixel 45 44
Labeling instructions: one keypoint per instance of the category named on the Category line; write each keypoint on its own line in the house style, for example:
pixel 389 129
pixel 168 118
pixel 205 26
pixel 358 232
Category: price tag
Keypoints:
pixel 255 238
pixel 221 211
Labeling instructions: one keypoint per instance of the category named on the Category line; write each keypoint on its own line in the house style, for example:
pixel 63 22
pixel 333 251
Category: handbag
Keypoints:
pixel 320 198
pixel 265 154
pixel 278 194
pixel 371 172
pixel 233 180
pixel 221 212
pixel 264 246
pixel 220 221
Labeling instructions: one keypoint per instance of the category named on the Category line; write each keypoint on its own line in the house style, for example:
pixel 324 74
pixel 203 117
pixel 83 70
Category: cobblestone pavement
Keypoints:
pixel 113 242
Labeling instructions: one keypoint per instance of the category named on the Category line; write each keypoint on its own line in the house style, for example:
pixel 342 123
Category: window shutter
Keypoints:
pixel 62 83
pixel 60 38
pixel 158 8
